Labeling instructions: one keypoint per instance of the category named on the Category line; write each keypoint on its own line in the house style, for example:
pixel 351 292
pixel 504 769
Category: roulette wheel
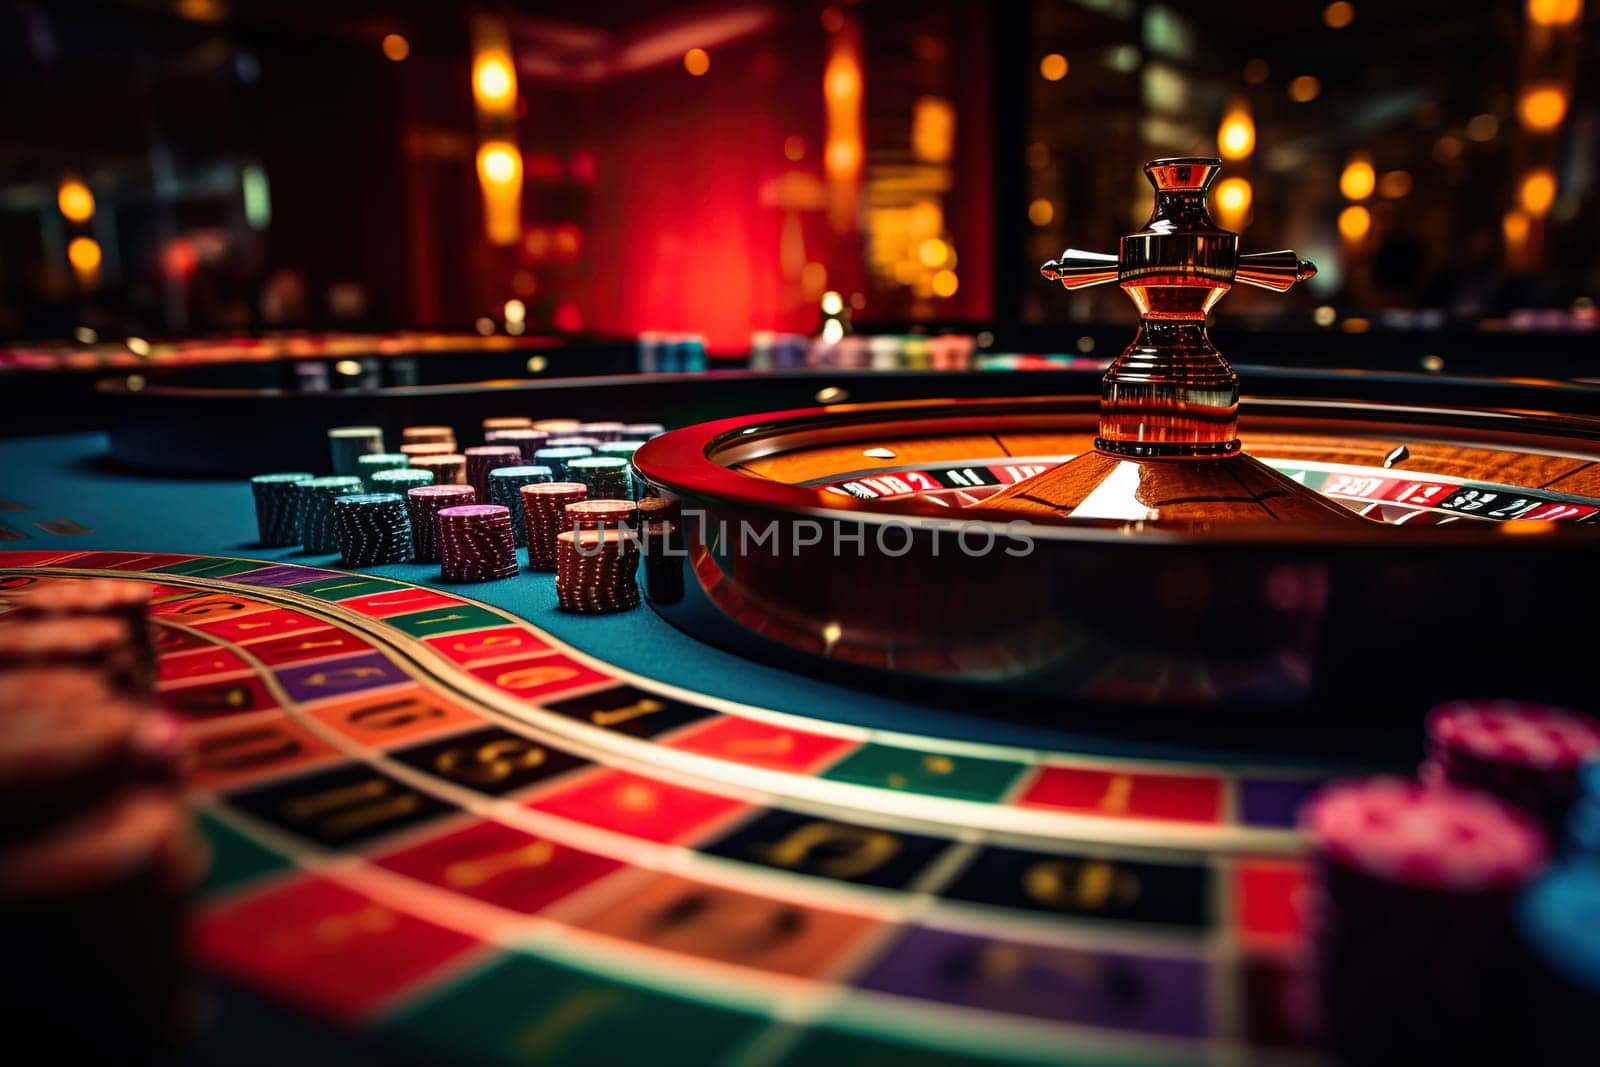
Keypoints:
pixel 765 779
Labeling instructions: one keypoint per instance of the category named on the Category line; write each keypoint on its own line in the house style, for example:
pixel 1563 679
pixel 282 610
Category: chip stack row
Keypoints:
pixel 574 441
pixel 317 532
pixel 428 435
pixel 557 427
pixel 602 431
pixel 346 444
pixel 663 561
pixel 610 514
pixel 400 481
pixel 510 422
pixel 97 857
pixel 559 458
pixel 373 528
pixel 624 450
pixel 485 458
pixel 277 507
pixel 475 543
pixel 449 468
pixel 423 505
pixel 505 489
pixel 595 571
pixel 525 438
pixel 608 477
pixel 1526 754
pixel 373 462
pixel 1412 932
pixel 642 431
pixel 545 509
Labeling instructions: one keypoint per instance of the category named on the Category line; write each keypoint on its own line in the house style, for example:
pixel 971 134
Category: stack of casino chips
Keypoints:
pixel 664 560
pixel 574 441
pixel 423 505
pixel 400 481
pixel 428 435
pixel 124 602
pixel 373 529
pixel 510 422
pixel 277 508
pixel 557 427
pixel 1558 920
pixel 485 458
pixel 525 438
pixel 505 489
pixel 594 571
pixel 606 514
pixel 429 448
pixel 557 458
pixel 97 858
pixel 449 468
pixel 601 431
pixel 348 443
pixel 624 450
pixel 373 462
pixel 475 543
pixel 1527 754
pixel 317 532
pixel 608 477
pixel 1412 926
pixel 545 509
pixel 642 431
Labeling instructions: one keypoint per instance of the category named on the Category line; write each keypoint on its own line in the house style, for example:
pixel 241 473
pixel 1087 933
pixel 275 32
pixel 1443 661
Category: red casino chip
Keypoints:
pixel 1434 838
pixel 1514 732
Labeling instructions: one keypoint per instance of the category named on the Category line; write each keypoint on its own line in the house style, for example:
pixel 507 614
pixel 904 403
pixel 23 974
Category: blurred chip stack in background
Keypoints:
pixel 97 856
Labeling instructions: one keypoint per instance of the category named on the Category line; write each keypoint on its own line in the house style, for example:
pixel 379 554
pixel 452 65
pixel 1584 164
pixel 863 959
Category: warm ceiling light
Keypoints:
pixel 499 163
pixel 1236 137
pixel 1358 178
pixel 493 81
pixel 1554 12
pixel 84 254
pixel 1233 197
pixel 696 61
pixel 1354 222
pixel 1041 212
pixel 945 284
pixel 1542 108
pixel 1516 226
pixel 1304 89
pixel 1054 67
pixel 396 47
pixel 1338 15
pixel 75 201
pixel 1537 192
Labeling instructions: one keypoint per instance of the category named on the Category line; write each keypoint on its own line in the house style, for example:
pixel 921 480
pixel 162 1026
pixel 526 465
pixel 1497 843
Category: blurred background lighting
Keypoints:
pixel 1537 193
pixel 494 83
pixel 1354 222
pixel 832 303
pixel 1304 89
pixel 1041 212
pixel 945 284
pixel 1554 12
pixel 75 201
pixel 1394 184
pixel 1338 15
pixel 396 47
pixel 1236 136
pixel 84 255
pixel 696 61
pixel 1357 180
pixel 1233 198
pixel 1053 67
pixel 1542 108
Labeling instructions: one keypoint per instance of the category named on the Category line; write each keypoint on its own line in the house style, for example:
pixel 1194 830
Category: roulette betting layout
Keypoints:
pixel 966 726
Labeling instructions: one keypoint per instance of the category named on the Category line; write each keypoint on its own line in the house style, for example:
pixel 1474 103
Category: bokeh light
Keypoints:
pixel 1304 89
pixel 1053 67
pixel 1537 192
pixel 396 47
pixel 945 283
pixel 1041 212
pixel 1354 222
pixel 1357 180
pixel 75 201
pixel 696 61
pixel 1542 108
pixel 1338 15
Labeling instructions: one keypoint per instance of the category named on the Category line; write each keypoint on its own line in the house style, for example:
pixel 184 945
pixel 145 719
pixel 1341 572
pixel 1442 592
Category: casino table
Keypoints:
pixel 452 822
